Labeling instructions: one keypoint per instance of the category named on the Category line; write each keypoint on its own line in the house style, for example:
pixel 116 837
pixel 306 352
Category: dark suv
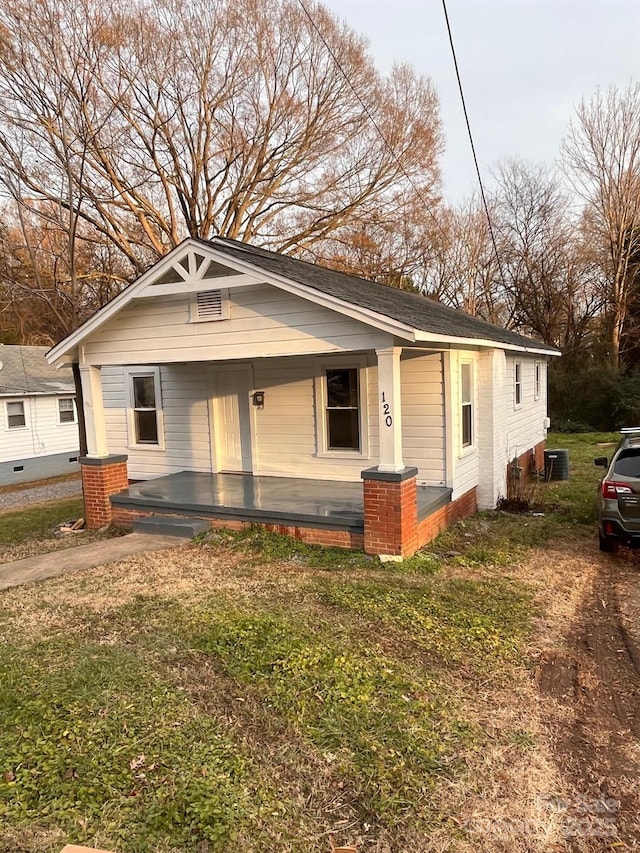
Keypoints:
pixel 619 494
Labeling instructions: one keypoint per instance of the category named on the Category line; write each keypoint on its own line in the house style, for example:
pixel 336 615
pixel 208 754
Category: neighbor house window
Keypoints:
pixel 538 381
pixel 66 410
pixel 342 410
pixel 466 397
pixel 517 383
pixel 145 408
pixel 15 415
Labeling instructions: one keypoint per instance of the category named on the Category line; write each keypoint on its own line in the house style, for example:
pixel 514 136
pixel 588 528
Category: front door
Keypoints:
pixel 233 421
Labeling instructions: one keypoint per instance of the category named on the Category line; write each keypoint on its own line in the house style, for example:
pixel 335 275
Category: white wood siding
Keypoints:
pixel 264 321
pixel 42 435
pixel 525 423
pixel 286 429
pixel 185 391
pixel 423 427
pixel 465 460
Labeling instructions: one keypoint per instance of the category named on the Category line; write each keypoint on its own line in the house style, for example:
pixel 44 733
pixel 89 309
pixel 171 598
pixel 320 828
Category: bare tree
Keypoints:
pixel 192 118
pixel 545 267
pixel 463 270
pixel 602 159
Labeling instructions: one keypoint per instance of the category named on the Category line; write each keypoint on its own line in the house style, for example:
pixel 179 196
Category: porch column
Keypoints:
pixel 389 491
pixel 389 409
pixel 102 474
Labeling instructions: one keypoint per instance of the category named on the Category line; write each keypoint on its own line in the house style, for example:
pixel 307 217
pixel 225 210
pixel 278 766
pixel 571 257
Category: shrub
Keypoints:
pixel 595 398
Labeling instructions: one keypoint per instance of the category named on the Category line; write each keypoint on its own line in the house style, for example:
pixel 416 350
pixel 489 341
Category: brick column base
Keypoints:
pixel 390 513
pixel 101 478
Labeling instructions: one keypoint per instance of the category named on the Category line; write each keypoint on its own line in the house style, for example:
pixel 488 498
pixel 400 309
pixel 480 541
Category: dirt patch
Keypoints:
pixel 592 685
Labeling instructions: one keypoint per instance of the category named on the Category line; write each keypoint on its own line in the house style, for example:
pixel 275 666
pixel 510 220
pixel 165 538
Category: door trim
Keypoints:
pixel 215 415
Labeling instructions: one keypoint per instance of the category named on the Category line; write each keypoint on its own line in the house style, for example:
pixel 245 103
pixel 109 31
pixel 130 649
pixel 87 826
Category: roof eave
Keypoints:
pixel 423 336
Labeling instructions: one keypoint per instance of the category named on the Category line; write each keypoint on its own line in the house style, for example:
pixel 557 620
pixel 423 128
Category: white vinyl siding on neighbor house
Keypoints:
pixel 42 434
pixel 263 321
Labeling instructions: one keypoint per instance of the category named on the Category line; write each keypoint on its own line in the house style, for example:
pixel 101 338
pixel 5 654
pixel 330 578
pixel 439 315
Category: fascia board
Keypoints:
pixel 483 342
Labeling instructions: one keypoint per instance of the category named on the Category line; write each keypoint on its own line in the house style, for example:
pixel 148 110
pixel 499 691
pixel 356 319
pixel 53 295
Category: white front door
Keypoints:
pixel 233 421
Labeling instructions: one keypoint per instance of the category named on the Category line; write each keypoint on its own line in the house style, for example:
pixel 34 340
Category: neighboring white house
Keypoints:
pixel 38 417
pixel 228 358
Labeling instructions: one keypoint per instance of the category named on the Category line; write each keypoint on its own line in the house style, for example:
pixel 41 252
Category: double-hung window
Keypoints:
pixel 517 383
pixel 16 418
pixel 145 410
pixel 538 381
pixel 66 410
pixel 466 404
pixel 342 408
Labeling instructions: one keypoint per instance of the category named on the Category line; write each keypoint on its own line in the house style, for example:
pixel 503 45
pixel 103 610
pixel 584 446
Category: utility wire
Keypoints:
pixel 473 147
pixel 371 118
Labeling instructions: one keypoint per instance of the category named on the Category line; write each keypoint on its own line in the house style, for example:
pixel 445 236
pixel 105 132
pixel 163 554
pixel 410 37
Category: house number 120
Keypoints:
pixel 386 409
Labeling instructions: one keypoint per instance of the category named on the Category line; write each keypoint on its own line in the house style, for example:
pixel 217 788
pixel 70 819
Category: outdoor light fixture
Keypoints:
pixel 257 398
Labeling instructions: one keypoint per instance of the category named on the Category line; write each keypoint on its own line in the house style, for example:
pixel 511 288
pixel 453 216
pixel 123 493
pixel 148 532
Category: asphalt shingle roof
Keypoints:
pixel 24 371
pixel 413 309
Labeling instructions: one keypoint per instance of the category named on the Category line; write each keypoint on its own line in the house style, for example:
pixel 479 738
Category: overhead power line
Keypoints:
pixel 473 147
pixel 372 119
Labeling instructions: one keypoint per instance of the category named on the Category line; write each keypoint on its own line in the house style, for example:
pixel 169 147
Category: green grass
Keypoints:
pixel 95 742
pixel 575 498
pixel 37 522
pixel 480 624
pixel 260 716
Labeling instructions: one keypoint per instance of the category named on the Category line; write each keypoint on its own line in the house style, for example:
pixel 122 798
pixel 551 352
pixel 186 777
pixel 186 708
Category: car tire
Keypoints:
pixel 608 544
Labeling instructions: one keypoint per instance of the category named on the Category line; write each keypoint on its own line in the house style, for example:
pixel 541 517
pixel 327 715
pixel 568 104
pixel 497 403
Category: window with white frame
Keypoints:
pixel 16 417
pixel 517 383
pixel 342 408
pixel 466 404
pixel 66 410
pixel 537 385
pixel 145 408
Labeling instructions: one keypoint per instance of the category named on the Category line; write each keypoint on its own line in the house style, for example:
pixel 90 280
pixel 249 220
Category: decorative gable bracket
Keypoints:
pixel 193 272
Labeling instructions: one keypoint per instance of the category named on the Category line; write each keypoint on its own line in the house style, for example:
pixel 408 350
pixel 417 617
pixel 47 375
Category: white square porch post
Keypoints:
pixel 390 409
pixel 389 491
pixel 102 475
pixel 94 411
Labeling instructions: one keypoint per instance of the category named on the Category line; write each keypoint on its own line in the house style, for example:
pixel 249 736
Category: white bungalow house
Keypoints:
pixel 38 418
pixel 238 385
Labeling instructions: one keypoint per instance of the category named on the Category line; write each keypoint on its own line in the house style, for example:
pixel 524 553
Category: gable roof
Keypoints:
pixel 25 372
pixel 409 316
pixel 406 307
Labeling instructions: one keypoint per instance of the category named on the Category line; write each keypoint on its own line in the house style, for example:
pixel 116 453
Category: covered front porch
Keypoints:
pixel 281 501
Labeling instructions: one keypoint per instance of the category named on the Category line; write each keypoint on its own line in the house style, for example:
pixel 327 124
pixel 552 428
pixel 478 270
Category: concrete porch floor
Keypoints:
pixel 268 500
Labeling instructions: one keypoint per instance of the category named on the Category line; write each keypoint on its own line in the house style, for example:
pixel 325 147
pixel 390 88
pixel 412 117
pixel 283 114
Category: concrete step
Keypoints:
pixel 171 525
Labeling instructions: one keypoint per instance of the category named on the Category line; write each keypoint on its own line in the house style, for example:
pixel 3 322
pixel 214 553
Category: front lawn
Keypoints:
pixel 252 693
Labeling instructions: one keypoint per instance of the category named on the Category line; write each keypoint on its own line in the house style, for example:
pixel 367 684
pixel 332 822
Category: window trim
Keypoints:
pixel 467 448
pixel 8 426
pixel 359 363
pixel 518 385
pixel 74 411
pixel 537 380
pixel 131 373
pixel 225 306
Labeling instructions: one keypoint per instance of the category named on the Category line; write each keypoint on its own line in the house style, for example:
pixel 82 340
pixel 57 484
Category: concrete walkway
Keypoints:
pixel 82 557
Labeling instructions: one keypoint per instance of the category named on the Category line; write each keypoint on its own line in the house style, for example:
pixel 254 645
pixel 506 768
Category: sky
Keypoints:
pixel 525 65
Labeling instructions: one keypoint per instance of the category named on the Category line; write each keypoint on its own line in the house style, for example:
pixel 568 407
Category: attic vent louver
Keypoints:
pixel 209 305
